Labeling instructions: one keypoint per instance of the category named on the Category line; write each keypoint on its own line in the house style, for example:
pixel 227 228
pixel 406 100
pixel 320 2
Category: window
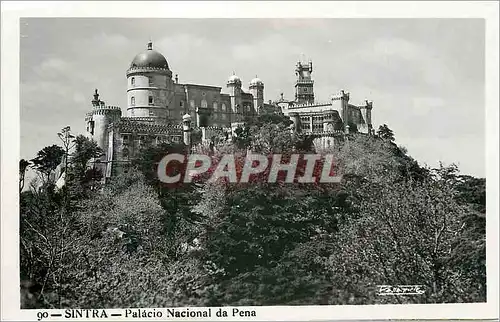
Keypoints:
pixel 204 103
pixel 216 107
pixel 203 93
pixel 150 100
pixel 215 116
pixel 223 107
pixel 132 101
pixel 132 81
pixel 223 116
pixel 191 103
pixel 181 104
pixel 151 81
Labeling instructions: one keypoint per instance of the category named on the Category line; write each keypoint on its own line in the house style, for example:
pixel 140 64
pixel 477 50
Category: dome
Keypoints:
pixel 150 58
pixel 256 81
pixel 234 79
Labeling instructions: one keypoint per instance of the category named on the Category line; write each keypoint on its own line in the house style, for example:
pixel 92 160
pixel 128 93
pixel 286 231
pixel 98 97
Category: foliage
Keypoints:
pixel 385 133
pixel 47 160
pixel 23 166
pixel 136 242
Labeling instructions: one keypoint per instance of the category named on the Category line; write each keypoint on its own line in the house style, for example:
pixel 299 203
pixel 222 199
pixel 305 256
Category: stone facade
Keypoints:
pixel 161 109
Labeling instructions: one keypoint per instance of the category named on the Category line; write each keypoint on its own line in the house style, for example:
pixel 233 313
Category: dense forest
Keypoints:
pixel 138 243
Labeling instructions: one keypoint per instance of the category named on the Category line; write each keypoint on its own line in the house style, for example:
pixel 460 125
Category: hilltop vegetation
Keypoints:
pixel 138 243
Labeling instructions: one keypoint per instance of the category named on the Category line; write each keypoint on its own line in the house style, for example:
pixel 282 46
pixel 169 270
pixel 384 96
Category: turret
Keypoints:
pixel 304 85
pixel 367 115
pixel 295 118
pixel 186 128
pixel 256 88
pixel 99 119
pixel 344 97
pixel 234 87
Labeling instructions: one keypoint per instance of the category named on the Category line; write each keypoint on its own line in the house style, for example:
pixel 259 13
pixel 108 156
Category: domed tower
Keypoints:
pixel 150 88
pixel 234 86
pixel 257 90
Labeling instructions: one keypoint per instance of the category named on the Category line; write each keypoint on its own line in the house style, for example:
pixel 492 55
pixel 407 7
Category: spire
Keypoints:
pixel 96 101
pixel 150 44
pixel 96 95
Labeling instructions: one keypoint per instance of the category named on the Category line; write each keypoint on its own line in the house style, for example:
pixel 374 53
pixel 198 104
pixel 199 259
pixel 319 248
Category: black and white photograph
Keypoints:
pixel 204 167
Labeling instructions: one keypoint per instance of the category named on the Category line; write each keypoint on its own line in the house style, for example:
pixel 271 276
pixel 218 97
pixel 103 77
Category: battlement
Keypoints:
pixel 88 116
pixel 140 119
pixel 304 81
pixel 106 110
pixel 218 128
pixel 316 104
pixel 328 133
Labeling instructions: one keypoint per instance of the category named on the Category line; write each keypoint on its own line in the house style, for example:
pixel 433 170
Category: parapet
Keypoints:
pixel 316 104
pixel 106 110
pixel 88 116
pixel 328 133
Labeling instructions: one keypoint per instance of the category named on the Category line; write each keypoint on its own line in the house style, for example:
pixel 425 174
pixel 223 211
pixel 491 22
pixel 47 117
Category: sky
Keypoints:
pixel 426 77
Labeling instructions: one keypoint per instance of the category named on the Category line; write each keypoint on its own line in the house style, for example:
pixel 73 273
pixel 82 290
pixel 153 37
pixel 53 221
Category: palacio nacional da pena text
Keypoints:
pixel 160 109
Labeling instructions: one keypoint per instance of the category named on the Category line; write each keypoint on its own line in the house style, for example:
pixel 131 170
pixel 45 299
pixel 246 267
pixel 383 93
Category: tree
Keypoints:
pixel 385 133
pixel 47 161
pixel 23 165
pixel 81 176
pixel 408 233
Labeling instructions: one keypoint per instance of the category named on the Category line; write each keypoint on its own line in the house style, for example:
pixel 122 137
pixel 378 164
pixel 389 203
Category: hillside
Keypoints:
pixel 139 243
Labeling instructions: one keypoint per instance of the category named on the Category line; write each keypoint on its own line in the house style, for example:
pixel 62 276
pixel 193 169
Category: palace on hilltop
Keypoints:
pixel 160 109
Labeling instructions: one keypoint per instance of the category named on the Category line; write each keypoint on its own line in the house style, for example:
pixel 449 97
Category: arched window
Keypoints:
pixel 132 81
pixel 204 103
pixel 216 107
pixel 132 101
pixel 223 107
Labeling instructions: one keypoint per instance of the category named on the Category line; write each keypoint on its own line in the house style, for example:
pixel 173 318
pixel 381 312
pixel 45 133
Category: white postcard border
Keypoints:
pixel 10 132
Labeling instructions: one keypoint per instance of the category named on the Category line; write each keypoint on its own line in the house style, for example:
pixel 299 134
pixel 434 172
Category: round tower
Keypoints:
pixel 99 119
pixel 150 88
pixel 256 88
pixel 234 87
